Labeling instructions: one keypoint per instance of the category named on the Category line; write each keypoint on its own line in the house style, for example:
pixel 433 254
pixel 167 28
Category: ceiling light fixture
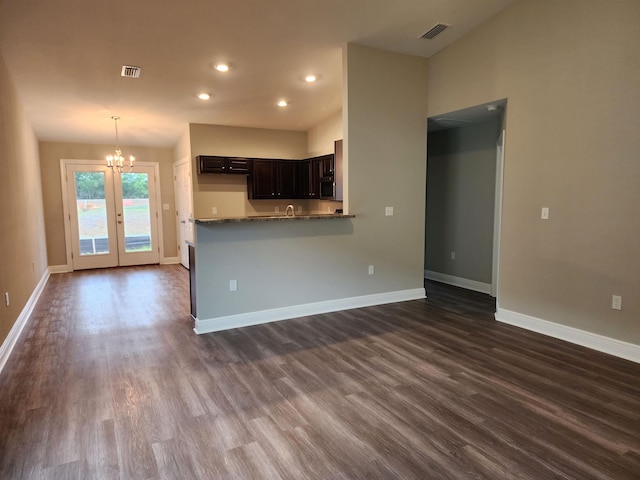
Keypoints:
pixel 116 161
pixel 204 96
pixel 222 67
pixel 282 103
pixel 310 78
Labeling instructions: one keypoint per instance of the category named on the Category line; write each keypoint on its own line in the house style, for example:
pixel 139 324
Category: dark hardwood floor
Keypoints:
pixel 109 381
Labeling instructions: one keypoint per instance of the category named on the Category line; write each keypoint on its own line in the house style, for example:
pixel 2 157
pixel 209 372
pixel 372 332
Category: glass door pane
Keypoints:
pixel 92 213
pixel 136 212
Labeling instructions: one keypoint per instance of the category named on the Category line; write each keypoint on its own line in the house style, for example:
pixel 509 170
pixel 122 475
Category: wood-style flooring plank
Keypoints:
pixel 108 381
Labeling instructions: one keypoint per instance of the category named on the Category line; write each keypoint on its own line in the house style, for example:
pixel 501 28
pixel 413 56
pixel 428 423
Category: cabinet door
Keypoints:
pixel 288 183
pixel 210 164
pixel 238 165
pixel 263 179
pixel 327 166
pixel 310 178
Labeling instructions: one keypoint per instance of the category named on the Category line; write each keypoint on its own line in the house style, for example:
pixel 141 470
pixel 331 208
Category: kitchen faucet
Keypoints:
pixel 290 209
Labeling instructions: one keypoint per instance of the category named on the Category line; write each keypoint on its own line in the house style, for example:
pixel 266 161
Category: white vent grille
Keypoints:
pixel 436 30
pixel 130 71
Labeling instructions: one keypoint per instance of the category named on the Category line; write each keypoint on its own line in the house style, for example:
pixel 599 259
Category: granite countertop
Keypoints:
pixel 270 218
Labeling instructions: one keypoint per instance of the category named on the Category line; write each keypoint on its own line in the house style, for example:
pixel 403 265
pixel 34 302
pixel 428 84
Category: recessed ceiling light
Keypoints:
pixel 282 103
pixel 221 67
pixel 310 78
pixel 204 96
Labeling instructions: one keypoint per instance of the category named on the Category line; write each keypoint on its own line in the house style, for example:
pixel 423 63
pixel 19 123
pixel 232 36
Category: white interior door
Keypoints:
pixel 113 217
pixel 184 210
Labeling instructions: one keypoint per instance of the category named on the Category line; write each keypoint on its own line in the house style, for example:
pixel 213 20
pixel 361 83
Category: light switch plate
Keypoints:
pixel 233 285
pixel 616 302
pixel 544 214
pixel 388 211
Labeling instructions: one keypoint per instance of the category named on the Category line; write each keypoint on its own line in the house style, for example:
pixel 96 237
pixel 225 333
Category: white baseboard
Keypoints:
pixel 458 281
pixel 7 346
pixel 59 269
pixel 618 348
pixel 169 260
pixel 296 311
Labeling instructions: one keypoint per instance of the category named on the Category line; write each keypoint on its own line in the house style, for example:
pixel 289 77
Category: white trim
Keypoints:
pixel 612 346
pixel 265 316
pixel 59 269
pixel 169 260
pixel 10 342
pixel 458 281
pixel 497 214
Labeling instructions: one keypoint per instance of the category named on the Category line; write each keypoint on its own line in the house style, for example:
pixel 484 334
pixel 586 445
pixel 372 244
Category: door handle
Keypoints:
pixel 119 221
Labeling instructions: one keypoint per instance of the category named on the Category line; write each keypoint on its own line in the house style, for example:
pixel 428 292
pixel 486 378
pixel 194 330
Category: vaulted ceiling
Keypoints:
pixel 66 56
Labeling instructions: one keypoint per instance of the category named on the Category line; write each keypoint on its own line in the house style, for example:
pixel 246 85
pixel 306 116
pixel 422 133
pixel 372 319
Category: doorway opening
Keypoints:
pixel 465 155
pixel 111 218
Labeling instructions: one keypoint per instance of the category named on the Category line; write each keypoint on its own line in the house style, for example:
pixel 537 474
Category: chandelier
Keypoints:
pixel 116 161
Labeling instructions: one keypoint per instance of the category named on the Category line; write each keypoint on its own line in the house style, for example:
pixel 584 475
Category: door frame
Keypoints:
pixel 189 237
pixel 67 212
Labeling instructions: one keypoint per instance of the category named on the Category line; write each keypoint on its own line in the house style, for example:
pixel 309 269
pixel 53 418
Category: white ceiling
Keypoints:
pixel 65 58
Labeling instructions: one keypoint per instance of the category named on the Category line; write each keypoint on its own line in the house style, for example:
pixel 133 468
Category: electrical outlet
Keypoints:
pixel 371 270
pixel 165 206
pixel 214 210
pixel 453 255
pixel 616 302
pixel 233 285
pixel 6 298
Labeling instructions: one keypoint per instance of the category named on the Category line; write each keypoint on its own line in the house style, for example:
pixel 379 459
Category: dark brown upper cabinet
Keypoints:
pixel 274 179
pixel 310 171
pixel 229 165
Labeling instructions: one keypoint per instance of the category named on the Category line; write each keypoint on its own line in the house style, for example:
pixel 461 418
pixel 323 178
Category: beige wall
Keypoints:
pixel 50 155
pixel 461 179
pixel 571 145
pixel 321 138
pixel 385 156
pixel 23 256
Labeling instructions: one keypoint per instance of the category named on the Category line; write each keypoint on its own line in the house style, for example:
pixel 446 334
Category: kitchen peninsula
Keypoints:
pixel 256 269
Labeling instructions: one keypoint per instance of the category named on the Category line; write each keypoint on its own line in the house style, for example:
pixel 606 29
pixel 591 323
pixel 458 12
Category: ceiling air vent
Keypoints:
pixel 130 71
pixel 436 30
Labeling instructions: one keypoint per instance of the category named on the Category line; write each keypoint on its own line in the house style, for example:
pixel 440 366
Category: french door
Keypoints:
pixel 113 217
